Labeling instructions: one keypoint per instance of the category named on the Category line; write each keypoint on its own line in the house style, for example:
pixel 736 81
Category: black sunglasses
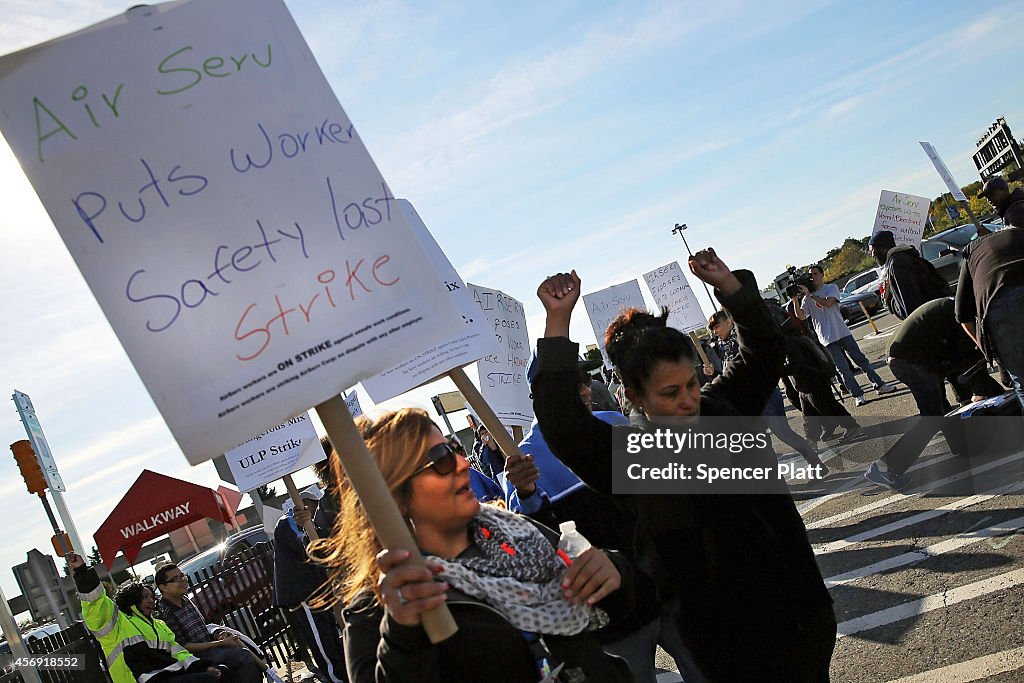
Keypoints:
pixel 441 458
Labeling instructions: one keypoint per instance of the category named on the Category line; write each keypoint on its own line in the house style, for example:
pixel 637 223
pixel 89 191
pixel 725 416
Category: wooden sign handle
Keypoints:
pixel 380 507
pixel 293 493
pixel 700 349
pixel 474 398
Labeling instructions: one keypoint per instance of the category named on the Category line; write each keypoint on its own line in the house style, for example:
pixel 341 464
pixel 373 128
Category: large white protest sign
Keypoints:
pixel 223 210
pixel 286 448
pixel 902 214
pixel 603 305
pixel 502 373
pixel 670 288
pixel 466 343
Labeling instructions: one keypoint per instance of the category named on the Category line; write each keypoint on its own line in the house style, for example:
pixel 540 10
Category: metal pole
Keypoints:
pixel 982 230
pixel 13 636
pixel 49 513
pixel 69 524
pixel 679 229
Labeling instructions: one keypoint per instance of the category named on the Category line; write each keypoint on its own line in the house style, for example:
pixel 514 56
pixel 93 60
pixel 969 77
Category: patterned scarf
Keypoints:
pixel 519 574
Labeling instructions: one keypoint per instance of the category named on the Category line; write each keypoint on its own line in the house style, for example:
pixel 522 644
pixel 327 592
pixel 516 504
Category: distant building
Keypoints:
pixel 996 149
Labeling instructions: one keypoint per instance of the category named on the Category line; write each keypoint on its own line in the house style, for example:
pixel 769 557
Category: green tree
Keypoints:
pixel 265 492
pixel 851 258
pixel 592 354
pixel 94 556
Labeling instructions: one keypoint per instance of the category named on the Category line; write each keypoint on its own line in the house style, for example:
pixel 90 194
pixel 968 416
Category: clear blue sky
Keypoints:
pixel 535 137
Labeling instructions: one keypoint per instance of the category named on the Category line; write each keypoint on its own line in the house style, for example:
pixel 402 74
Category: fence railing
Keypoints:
pixel 239 592
pixel 75 640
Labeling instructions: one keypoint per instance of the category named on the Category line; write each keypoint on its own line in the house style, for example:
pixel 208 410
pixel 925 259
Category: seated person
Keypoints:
pixel 191 631
pixel 117 624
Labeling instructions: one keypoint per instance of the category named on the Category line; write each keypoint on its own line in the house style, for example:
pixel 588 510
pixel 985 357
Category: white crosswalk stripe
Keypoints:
pixel 976 531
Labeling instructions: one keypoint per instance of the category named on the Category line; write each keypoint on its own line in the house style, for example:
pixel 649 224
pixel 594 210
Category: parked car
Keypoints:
pixel 849 304
pixel 868 281
pixel 42 632
pixel 943 249
pixel 228 576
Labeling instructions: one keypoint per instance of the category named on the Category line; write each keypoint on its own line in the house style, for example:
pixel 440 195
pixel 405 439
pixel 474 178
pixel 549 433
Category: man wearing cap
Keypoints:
pixel 910 280
pixel 1010 205
pixel 296 579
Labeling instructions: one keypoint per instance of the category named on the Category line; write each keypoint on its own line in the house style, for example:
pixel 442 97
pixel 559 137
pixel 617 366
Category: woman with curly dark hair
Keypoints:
pixel 737 571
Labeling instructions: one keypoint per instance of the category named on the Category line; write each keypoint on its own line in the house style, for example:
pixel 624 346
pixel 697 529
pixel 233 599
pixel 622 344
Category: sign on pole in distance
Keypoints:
pixel 467 342
pixel 902 214
pixel 452 401
pixel 221 206
pixel 603 305
pixel 268 456
pixel 35 434
pixel 670 288
pixel 944 173
pixel 502 373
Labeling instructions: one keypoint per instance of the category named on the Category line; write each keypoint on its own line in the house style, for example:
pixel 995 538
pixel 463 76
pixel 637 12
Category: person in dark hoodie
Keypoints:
pixel 1010 205
pixel 909 280
pixel 736 571
pixel 297 581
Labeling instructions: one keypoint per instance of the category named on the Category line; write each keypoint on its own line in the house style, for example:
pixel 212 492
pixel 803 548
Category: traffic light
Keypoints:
pixel 29 466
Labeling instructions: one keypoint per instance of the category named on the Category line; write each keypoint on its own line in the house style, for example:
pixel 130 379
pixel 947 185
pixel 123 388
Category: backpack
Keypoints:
pixel 932 286
pixel 808 363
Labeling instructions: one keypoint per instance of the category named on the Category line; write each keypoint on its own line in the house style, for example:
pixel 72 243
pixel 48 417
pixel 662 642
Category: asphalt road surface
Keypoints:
pixel 928 583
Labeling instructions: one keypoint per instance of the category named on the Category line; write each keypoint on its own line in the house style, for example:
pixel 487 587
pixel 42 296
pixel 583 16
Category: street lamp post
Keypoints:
pixel 680 227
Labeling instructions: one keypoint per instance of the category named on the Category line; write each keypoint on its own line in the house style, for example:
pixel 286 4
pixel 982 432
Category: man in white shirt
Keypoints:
pixel 821 305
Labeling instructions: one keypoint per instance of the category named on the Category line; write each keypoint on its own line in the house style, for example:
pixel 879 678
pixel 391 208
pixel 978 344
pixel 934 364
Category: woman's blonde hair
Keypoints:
pixel 398 443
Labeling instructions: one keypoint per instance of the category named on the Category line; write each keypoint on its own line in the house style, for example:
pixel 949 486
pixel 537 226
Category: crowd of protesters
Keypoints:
pixel 725 584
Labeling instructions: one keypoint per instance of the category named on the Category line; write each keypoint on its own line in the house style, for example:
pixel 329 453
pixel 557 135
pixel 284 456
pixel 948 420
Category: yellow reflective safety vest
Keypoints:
pixel 137 647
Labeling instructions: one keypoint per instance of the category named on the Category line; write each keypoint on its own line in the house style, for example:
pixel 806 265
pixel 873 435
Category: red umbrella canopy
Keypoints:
pixel 154 506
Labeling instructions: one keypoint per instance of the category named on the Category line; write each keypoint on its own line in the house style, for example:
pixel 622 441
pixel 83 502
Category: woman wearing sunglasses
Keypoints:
pixel 523 608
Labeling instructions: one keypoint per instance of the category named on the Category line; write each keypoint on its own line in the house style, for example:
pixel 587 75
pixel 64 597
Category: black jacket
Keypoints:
pixel 911 280
pixel 990 263
pixel 295 577
pixel 485 648
pixel 739 569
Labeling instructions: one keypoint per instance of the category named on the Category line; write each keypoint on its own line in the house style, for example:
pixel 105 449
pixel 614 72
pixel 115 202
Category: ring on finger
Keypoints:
pixel 401 597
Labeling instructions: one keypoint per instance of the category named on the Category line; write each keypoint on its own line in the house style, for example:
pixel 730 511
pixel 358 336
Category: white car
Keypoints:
pixel 868 281
pixel 42 632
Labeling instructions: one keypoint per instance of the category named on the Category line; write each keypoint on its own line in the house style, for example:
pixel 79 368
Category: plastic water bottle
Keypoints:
pixel 572 542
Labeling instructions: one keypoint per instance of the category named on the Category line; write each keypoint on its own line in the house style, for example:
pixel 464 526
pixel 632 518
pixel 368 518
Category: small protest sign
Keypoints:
pixel 671 289
pixel 352 403
pixel 603 305
pixel 222 208
pixel 502 374
pixel 270 455
pixel 468 342
pixel 902 214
